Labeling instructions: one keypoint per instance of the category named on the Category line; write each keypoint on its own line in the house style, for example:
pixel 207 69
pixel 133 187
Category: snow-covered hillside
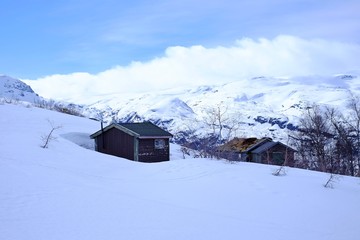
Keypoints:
pixel 70 192
pixel 261 107
pixel 258 107
pixel 14 89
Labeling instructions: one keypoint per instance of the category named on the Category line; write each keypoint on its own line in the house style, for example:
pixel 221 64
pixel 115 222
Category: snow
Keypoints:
pixel 70 192
pixel 16 90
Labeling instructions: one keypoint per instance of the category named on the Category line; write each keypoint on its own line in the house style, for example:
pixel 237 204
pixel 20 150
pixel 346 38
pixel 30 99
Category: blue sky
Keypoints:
pixel 41 38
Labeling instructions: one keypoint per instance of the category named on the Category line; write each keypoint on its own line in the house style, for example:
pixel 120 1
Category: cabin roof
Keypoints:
pixel 146 129
pixel 253 145
pixel 268 145
pixel 243 144
pixel 141 130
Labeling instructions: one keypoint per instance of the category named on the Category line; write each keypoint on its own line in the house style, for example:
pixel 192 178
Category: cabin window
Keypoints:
pixel 278 158
pixel 159 143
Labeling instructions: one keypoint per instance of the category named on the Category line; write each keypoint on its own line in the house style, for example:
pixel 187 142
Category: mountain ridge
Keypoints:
pixel 262 106
pixel 15 89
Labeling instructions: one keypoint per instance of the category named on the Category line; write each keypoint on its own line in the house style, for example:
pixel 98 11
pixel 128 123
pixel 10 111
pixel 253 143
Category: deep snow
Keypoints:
pixel 70 192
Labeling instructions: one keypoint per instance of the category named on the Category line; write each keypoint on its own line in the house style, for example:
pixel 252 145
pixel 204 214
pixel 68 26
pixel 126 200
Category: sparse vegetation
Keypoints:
pixel 47 138
pixel 59 107
pixel 185 151
pixel 280 171
pixel 221 126
pixel 329 141
pixel 333 178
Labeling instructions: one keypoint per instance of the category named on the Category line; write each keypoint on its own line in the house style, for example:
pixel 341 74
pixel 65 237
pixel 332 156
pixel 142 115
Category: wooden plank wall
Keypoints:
pixel 117 143
pixel 148 153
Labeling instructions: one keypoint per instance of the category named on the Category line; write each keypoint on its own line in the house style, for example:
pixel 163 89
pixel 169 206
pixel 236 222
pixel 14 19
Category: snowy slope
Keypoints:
pixel 70 192
pixel 14 89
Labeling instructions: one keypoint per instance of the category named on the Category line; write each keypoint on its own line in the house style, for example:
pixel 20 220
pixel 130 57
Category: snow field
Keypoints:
pixel 70 192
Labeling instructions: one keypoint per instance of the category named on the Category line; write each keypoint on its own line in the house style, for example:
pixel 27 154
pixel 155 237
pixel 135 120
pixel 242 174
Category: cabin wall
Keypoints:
pixel 148 152
pixel 269 156
pixel 231 156
pixel 116 143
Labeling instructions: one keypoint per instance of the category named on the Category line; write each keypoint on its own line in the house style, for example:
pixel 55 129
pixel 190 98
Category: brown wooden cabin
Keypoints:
pixel 143 142
pixel 262 150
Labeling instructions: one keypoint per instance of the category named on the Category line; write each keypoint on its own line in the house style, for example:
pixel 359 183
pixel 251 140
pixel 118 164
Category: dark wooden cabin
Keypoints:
pixel 262 150
pixel 143 142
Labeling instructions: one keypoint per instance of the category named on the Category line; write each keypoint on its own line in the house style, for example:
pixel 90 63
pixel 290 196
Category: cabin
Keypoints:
pixel 142 142
pixel 263 150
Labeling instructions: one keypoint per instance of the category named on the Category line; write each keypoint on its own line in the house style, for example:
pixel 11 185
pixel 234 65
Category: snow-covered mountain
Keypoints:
pixel 259 107
pixel 256 107
pixel 70 192
pixel 14 89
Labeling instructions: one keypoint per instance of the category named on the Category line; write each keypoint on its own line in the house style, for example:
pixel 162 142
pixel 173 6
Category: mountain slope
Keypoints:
pixel 14 89
pixel 258 107
pixel 69 192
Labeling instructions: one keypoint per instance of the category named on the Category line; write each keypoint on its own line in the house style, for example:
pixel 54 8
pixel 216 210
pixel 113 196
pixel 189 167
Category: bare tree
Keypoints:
pixel 314 138
pixel 280 171
pixel 223 125
pixel 342 160
pixel 185 151
pixel 354 125
pixel 221 121
pixel 216 117
pixel 346 131
pixel 333 178
pixel 47 138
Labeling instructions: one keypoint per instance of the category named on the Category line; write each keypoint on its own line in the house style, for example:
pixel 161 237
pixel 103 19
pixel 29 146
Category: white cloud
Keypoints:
pixel 190 66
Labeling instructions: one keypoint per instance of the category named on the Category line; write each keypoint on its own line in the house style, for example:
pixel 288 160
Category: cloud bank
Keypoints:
pixel 198 65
